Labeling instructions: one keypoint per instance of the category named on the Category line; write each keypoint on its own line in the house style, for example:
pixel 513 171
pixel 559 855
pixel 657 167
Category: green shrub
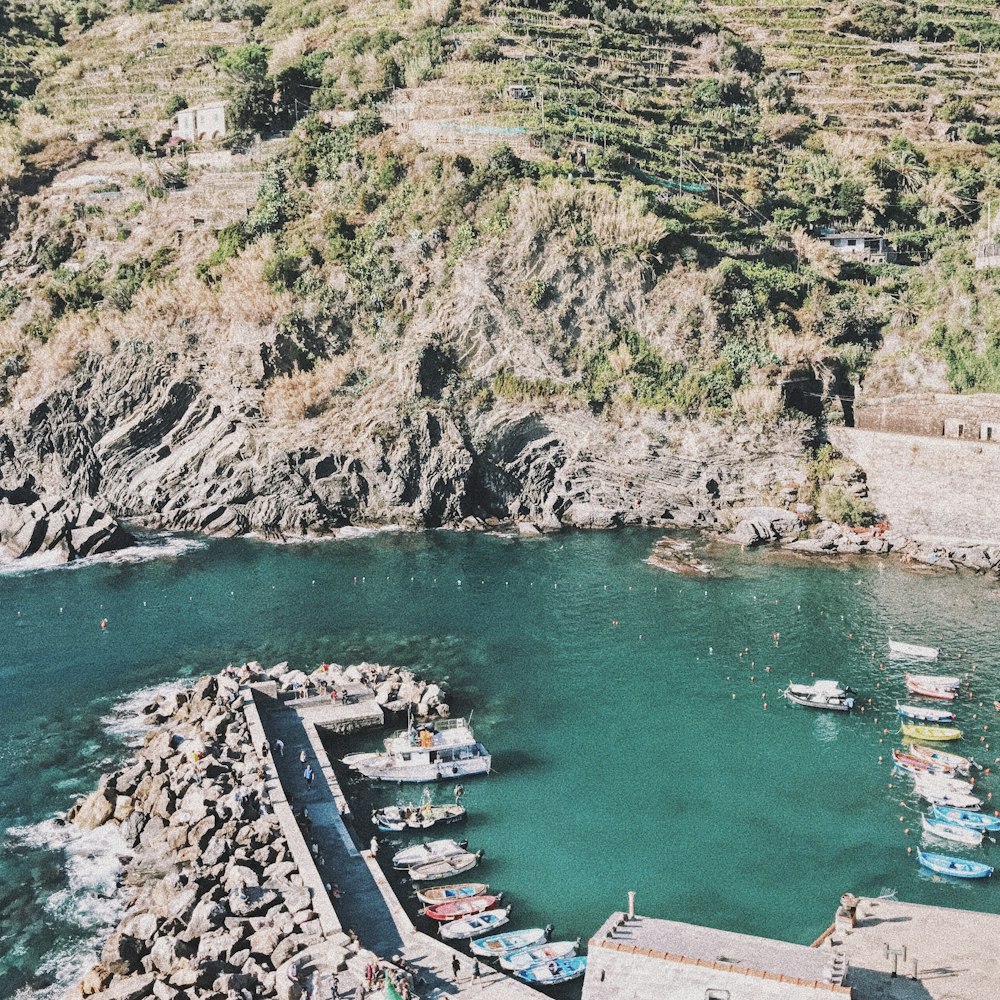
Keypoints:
pixel 175 103
pixel 837 504
pixel 282 270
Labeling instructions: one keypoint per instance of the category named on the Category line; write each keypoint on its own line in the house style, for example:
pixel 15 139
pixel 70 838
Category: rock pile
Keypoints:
pixel 34 523
pixel 217 902
pixel 394 688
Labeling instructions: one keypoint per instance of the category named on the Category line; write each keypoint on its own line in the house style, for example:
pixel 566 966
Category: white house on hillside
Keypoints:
pixel 206 122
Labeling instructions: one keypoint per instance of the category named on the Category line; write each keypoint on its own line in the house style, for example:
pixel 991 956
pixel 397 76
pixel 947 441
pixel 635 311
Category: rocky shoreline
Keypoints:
pixel 217 906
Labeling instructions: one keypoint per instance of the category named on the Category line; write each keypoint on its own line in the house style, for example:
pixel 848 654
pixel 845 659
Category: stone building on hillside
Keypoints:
pixel 206 122
pixel 967 418
pixel 872 248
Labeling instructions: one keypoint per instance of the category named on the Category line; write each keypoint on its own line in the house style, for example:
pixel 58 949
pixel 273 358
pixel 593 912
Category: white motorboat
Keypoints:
pixel 828 695
pixel 433 751
pixel 421 854
pixel 912 651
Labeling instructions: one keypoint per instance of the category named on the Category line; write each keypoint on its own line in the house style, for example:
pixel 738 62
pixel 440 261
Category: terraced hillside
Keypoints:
pixel 880 67
pixel 445 245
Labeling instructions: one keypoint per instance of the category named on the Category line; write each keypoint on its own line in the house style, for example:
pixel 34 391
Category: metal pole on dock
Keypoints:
pixel 631 904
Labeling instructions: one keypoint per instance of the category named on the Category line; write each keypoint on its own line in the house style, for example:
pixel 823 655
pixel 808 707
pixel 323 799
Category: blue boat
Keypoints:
pixel 945 864
pixel 553 972
pixel 504 944
pixel 967 817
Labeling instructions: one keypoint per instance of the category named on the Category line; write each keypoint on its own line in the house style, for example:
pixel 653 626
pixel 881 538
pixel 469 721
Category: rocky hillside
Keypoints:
pixel 456 260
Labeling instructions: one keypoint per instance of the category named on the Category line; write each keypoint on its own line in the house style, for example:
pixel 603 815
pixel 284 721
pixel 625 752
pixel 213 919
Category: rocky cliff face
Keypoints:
pixel 153 442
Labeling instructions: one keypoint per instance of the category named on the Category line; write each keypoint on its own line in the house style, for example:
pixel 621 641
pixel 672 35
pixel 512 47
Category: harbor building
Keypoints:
pixel 876 949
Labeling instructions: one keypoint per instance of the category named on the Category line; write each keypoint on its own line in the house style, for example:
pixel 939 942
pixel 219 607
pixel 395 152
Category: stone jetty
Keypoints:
pixel 244 881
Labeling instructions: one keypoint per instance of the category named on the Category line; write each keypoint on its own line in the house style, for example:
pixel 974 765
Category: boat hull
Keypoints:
pixel 944 864
pixel 842 705
pixel 444 893
pixel 554 972
pixel 421 854
pixel 931 734
pixel 445 868
pixel 967 817
pixel 504 944
pixel 919 714
pixel 952 831
pixel 528 957
pixel 912 651
pixel 456 908
pixel 468 927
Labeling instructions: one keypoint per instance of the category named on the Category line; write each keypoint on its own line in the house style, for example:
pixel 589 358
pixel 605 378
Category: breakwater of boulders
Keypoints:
pixel 216 906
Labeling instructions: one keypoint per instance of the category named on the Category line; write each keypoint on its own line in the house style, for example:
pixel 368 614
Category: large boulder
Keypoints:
pixel 96 809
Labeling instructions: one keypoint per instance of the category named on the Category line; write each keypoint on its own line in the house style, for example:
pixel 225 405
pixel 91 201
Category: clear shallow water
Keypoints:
pixel 603 687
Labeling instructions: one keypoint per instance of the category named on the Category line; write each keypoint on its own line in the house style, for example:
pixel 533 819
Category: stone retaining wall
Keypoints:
pixel 931 489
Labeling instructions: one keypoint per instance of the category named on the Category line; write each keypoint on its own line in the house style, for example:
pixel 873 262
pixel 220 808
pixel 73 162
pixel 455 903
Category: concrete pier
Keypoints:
pixel 360 901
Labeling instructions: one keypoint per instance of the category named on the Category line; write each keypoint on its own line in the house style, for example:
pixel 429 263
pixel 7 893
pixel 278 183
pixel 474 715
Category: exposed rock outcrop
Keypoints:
pixel 156 444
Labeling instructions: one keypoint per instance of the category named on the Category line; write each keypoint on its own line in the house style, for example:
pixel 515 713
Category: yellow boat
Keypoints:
pixel 931 733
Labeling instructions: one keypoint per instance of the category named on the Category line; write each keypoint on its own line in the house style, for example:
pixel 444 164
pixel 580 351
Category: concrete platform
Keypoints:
pixel 956 952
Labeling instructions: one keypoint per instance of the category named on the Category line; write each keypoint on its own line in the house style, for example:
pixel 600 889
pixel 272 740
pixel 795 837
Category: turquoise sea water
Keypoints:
pixel 631 742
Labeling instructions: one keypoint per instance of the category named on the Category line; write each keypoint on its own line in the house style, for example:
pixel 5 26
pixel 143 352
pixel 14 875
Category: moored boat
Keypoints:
pixel 952 831
pixel 929 690
pixel 555 971
pixel 434 850
pixel 445 867
pixel 967 817
pixel 933 734
pixel 945 864
pixel 920 714
pixel 455 908
pixel 442 750
pixel 938 796
pixel 917 765
pixel 527 957
pixel 912 651
pixel 953 761
pixel 444 893
pixel 468 927
pixel 504 944
pixel 936 681
pixel 827 695
pixel 398 818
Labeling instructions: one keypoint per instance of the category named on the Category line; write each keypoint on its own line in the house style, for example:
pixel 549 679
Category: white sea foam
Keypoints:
pixel 148 549
pixel 126 722
pixel 90 899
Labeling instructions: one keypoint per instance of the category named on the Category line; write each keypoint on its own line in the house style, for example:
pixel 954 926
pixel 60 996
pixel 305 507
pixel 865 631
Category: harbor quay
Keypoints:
pixel 249 881
pixel 364 913
pixel 876 949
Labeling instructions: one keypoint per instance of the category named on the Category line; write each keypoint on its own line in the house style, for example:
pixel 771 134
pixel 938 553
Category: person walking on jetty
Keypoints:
pixel 475 968
pixel 456 967
pixel 308 774
pixel 280 747
pixel 302 756
pixel 374 847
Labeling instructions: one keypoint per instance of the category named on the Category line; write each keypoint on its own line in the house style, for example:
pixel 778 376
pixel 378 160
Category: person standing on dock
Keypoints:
pixel 374 847
pixel 475 968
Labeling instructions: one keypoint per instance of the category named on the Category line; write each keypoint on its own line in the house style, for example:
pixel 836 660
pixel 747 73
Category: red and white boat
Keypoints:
pixel 923 686
pixel 456 908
